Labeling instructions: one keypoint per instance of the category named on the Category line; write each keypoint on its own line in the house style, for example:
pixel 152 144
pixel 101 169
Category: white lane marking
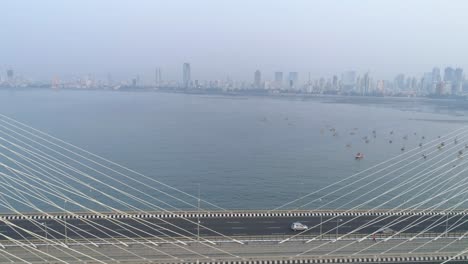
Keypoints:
pixel 237 227
pixel 274 227
pixel 235 222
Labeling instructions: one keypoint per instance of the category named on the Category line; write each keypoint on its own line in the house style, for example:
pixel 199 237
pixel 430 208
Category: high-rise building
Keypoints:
pixel 186 74
pixel 335 82
pixel 458 81
pixel 399 83
pixel 348 80
pixel 427 82
pixel 278 80
pixel 157 77
pixel 366 84
pixel 449 74
pixel 458 75
pixel 436 77
pixel 10 74
pixel 414 87
pixel 257 79
pixel 293 80
pixel 380 87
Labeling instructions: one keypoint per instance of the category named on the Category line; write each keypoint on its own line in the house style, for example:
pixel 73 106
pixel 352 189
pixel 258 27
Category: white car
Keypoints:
pixel 296 226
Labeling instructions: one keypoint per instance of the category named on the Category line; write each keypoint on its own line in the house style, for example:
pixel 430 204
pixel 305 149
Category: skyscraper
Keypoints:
pixel 427 82
pixel 366 89
pixel 278 80
pixel 257 79
pixel 400 82
pixel 10 74
pixel 449 74
pixel 293 80
pixel 436 78
pixel 458 80
pixel 335 82
pixel 157 77
pixel 348 80
pixel 186 74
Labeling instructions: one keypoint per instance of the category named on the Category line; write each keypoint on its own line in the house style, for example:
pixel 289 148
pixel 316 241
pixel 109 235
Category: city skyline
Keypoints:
pixel 432 83
pixel 386 37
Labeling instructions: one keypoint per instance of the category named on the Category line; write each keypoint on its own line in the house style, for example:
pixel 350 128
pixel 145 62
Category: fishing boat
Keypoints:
pixel 359 155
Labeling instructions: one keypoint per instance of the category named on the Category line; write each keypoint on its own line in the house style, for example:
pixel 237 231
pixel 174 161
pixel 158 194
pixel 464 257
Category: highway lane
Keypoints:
pixel 230 226
pixel 290 250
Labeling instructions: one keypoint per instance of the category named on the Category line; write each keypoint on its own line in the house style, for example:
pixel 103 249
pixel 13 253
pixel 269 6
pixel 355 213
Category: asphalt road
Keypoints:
pixel 169 253
pixel 249 226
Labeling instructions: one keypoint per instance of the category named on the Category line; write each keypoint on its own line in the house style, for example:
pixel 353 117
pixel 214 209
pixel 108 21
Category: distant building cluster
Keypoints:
pixel 10 79
pixel 450 82
pixel 433 83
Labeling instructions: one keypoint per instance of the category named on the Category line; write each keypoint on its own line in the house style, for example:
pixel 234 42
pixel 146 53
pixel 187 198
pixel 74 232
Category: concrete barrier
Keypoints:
pixel 223 214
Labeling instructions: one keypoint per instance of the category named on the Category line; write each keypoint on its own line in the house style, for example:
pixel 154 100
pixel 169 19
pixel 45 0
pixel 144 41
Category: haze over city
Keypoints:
pixel 234 131
pixel 231 38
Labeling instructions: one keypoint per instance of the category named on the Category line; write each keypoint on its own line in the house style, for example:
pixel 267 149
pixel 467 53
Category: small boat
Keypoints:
pixel 420 144
pixel 424 156
pixel 390 141
pixel 403 149
pixel 359 155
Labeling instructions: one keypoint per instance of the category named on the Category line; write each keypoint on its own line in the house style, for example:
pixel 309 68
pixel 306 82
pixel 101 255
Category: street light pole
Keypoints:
pixel 64 208
pixel 198 214
pixel 321 221
pixel 47 242
pixel 446 226
pixel 337 221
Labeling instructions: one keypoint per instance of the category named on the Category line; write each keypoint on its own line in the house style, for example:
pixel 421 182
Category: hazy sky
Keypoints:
pixel 231 37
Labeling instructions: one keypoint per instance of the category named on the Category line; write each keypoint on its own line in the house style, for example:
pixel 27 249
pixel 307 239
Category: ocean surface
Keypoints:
pixel 240 152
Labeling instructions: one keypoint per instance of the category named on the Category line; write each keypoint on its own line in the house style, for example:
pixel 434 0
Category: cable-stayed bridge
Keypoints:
pixel 63 204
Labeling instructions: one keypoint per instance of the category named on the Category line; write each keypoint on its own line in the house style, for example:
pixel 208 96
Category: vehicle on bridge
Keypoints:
pixel 296 226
